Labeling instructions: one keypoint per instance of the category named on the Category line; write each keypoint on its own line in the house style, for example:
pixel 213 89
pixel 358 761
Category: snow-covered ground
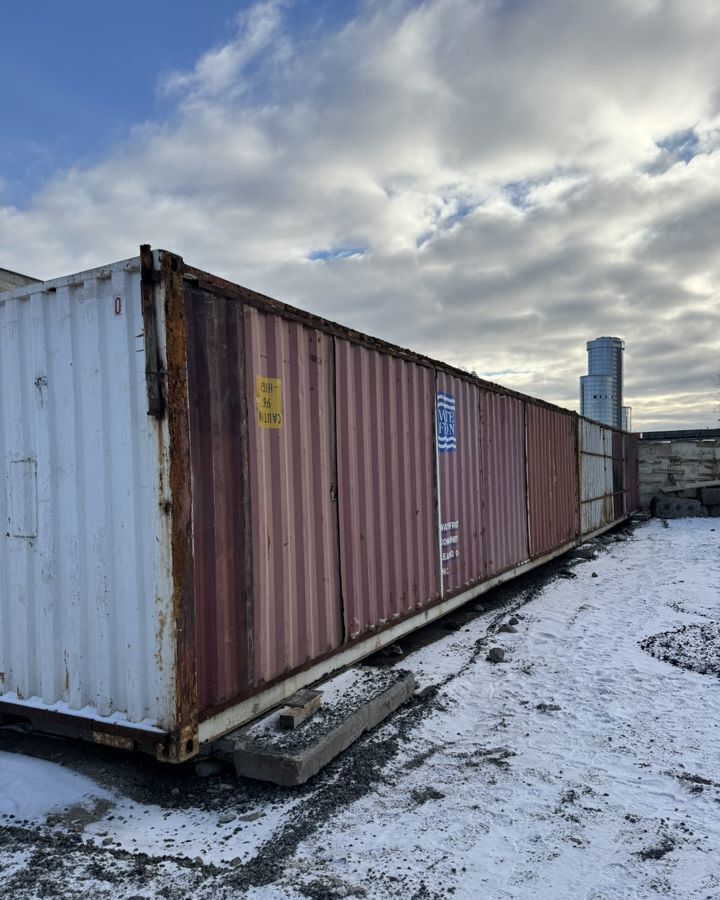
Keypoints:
pixel 586 765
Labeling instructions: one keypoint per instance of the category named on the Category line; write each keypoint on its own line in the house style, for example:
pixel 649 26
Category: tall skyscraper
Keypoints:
pixel 601 389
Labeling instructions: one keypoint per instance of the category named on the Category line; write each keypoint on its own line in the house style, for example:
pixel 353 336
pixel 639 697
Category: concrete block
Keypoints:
pixel 586 552
pixel 358 701
pixel 710 496
pixel 669 507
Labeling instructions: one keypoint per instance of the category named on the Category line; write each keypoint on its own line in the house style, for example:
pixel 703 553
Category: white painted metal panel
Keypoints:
pixel 592 437
pixel 85 586
pixel 596 476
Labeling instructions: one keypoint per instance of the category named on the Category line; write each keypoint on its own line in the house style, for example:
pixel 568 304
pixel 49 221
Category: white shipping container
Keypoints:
pixel 84 507
pixel 596 476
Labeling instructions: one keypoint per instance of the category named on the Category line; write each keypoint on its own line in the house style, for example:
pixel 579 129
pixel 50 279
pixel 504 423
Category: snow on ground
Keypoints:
pixel 32 788
pixel 582 766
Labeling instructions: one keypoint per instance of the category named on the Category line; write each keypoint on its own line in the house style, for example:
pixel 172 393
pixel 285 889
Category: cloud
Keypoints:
pixel 489 183
pixel 220 72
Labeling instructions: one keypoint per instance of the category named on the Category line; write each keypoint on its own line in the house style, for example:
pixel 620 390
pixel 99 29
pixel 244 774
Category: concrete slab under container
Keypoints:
pixel 353 702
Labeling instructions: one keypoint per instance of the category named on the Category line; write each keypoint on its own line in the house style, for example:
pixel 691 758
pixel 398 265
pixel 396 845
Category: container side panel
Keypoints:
pixel 552 478
pixel 631 472
pixel 83 607
pixel 459 459
pixel 297 614
pixel 218 429
pixel 618 456
pixel 592 477
pixel 386 483
pixel 503 479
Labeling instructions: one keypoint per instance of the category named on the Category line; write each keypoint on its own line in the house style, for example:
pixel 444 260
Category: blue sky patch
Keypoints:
pixel 681 146
pixel 337 253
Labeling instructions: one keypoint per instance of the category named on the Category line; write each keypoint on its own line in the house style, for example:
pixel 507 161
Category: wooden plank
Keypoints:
pixel 689 487
pixel 300 707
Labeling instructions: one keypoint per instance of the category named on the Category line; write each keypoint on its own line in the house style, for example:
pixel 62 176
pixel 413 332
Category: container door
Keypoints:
pixel 296 605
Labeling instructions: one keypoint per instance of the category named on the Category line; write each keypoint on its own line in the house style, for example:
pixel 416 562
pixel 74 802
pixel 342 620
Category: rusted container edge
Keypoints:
pixel 109 734
pixel 184 742
pixel 214 283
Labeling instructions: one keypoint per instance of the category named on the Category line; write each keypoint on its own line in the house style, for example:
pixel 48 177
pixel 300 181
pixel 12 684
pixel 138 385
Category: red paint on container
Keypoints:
pixel 552 470
pixel 291 430
pixel 386 485
pixel 218 435
pixel 462 552
pixel 504 491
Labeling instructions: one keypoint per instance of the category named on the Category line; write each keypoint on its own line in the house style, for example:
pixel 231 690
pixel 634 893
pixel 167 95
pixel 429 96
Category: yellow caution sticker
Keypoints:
pixel 268 400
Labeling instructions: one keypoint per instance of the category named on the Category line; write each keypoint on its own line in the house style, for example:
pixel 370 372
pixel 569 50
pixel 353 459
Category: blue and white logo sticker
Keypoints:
pixel 446 438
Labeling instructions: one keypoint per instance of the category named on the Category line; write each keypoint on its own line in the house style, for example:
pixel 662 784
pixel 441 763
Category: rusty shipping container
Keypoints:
pixel 552 478
pixel 211 499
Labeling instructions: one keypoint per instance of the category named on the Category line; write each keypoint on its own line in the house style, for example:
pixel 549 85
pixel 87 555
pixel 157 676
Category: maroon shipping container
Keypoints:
pixel 552 472
pixel 326 493
pixel 220 495
pixel 459 459
pixel 294 565
pixel 504 481
pixel 386 487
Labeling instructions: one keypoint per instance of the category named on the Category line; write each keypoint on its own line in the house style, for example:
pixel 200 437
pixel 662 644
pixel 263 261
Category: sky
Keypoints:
pixel 489 182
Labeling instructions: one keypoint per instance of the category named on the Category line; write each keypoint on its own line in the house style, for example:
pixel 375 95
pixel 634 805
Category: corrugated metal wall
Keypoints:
pixel 329 478
pixel 219 434
pixel 459 462
pixel 592 476
pixel 602 475
pixel 631 449
pixel 552 469
pixel 293 494
pixel 386 484
pixel 618 468
pixel 84 544
pixel 503 481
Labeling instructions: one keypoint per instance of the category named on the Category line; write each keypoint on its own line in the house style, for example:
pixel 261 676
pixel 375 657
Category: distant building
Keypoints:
pixel 627 418
pixel 11 280
pixel 601 389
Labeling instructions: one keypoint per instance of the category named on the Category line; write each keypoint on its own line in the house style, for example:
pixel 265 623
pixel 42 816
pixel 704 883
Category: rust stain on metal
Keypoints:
pixel 184 742
pixel 221 513
pixel 118 741
pixel 159 639
pixel 154 372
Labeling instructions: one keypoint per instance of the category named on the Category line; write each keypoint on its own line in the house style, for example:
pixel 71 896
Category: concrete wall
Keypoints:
pixel 664 464
pixel 11 280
